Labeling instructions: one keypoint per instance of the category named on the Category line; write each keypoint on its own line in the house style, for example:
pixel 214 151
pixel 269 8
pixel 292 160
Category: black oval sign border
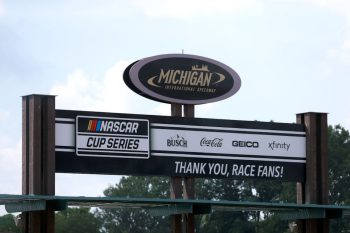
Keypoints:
pixel 127 81
pixel 134 78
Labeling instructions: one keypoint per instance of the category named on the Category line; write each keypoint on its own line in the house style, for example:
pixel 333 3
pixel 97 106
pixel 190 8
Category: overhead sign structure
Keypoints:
pixel 182 78
pixel 125 144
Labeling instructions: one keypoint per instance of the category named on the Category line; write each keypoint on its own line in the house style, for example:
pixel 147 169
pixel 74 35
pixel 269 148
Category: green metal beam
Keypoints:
pixel 302 214
pixel 167 210
pixel 19 203
pixel 24 206
pixel 35 205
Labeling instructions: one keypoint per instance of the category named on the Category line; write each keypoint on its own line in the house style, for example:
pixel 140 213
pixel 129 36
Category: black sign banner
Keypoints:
pixel 128 144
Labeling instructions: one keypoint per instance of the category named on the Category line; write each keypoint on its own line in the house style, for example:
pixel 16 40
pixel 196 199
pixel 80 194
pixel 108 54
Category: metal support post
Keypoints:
pixel 176 182
pixel 177 190
pixel 315 188
pixel 38 158
pixel 188 188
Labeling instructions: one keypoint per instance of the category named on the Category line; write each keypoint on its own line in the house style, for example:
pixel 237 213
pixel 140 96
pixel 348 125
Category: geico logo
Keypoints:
pixel 245 144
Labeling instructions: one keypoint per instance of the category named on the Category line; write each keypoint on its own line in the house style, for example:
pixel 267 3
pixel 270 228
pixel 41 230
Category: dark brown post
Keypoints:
pixel 38 158
pixel 315 188
pixel 188 188
pixel 176 182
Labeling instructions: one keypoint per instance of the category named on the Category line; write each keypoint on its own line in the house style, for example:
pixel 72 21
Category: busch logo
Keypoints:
pixel 177 141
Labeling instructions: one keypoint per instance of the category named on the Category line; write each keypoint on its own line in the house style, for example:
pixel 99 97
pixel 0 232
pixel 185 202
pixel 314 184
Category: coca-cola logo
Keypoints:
pixel 215 142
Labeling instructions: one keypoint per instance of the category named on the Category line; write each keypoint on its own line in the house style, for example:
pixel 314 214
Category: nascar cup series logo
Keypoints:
pixel 112 137
pixel 109 126
pixel 182 78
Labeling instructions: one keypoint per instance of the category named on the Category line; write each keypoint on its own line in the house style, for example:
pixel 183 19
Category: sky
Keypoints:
pixel 292 56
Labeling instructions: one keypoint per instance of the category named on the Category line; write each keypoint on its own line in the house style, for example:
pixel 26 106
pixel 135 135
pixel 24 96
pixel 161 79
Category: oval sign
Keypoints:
pixel 183 79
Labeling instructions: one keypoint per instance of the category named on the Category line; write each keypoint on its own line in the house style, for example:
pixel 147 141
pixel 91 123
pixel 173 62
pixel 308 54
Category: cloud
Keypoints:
pixel 163 109
pixel 341 8
pixel 101 9
pixel 183 9
pixel 2 8
pixel 76 91
pixel 108 93
pixel 4 115
pixel 342 52
pixel 169 9
pixel 347 115
pixel 10 166
pixel 83 184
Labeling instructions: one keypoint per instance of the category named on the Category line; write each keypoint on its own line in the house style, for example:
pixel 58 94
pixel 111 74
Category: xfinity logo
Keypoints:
pixel 279 146
pixel 177 141
pixel 215 142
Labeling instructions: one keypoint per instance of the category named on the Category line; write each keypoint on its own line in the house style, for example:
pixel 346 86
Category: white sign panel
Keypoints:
pixel 227 143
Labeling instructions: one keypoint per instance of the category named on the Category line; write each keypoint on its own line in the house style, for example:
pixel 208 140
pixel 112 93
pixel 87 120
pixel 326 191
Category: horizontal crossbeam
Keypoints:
pixel 156 206
pixel 35 205
pixel 302 214
pixel 25 206
pixel 170 209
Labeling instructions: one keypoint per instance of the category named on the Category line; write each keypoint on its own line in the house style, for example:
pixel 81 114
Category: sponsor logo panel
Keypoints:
pixel 227 144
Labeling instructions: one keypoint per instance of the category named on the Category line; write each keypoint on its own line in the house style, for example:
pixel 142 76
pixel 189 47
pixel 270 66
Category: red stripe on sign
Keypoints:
pixel 95 125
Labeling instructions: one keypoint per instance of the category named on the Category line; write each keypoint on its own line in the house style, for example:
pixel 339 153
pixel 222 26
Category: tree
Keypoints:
pixel 124 220
pixel 75 220
pixel 138 220
pixel 339 172
pixel 339 165
pixel 7 224
pixel 223 221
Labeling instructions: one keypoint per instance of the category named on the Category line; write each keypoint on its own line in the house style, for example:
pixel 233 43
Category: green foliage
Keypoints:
pixel 230 222
pixel 339 173
pixel 223 189
pixel 134 186
pixel 75 220
pixel 272 224
pixel 339 165
pixel 7 224
pixel 124 220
